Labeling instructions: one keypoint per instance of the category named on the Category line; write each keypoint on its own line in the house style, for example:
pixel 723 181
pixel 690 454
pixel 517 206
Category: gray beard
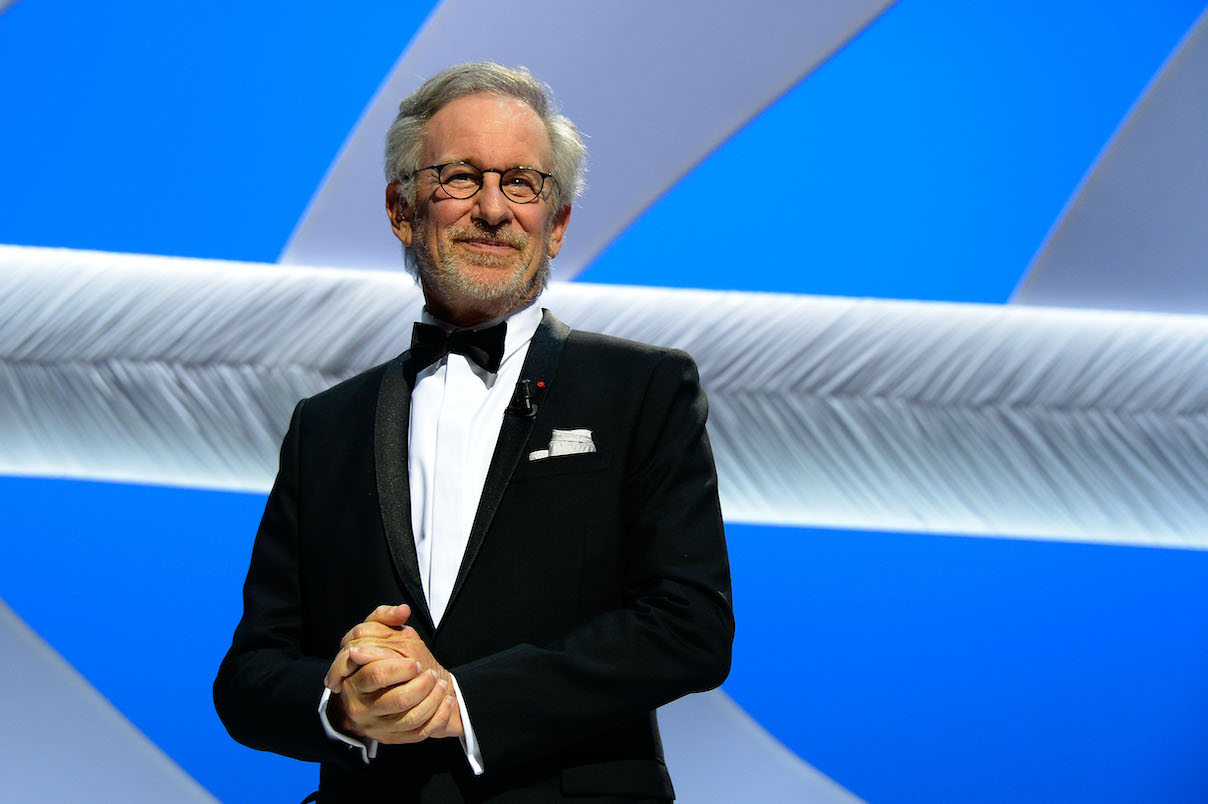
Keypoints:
pixel 441 272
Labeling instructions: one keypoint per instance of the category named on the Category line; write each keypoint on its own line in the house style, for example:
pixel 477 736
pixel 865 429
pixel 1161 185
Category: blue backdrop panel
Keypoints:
pixel 139 588
pixel 926 160
pixel 193 129
pixel 906 667
pixel 920 668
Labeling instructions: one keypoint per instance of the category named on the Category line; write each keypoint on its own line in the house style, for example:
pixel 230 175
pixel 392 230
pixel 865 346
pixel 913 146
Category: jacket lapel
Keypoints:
pixel 391 424
pixel 539 364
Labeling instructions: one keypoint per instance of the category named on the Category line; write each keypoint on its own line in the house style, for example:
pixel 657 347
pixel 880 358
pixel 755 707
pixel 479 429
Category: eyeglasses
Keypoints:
pixel 523 185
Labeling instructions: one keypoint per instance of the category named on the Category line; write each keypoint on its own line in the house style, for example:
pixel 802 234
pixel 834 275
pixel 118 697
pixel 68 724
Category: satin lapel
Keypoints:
pixel 393 485
pixel 539 364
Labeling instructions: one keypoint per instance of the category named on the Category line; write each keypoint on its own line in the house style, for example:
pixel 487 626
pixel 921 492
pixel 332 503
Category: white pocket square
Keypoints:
pixel 566 442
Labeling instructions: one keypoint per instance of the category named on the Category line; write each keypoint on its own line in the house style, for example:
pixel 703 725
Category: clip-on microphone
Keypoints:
pixel 522 403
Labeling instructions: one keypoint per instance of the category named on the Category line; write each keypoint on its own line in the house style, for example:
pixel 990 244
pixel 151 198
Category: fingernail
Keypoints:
pixel 444 685
pixel 419 668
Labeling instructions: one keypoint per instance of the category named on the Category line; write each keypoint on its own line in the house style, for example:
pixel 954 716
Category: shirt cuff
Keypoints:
pixel 469 742
pixel 368 747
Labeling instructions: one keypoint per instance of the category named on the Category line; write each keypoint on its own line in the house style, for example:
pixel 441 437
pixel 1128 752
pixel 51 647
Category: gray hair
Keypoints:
pixel 404 139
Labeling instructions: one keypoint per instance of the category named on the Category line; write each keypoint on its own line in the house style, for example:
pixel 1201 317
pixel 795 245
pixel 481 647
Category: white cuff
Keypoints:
pixel 368 748
pixel 469 742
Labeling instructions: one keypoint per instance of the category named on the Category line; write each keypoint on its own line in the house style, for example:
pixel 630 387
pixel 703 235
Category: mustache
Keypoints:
pixel 501 237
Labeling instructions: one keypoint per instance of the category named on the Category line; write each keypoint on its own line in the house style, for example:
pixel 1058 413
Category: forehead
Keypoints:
pixel 492 131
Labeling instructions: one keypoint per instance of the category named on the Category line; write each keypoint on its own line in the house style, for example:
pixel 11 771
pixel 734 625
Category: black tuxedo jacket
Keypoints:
pixel 594 588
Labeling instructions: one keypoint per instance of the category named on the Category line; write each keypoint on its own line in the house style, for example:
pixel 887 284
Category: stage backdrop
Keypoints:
pixel 912 626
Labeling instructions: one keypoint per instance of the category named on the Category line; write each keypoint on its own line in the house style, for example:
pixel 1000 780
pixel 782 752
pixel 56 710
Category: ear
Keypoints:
pixel 400 213
pixel 561 219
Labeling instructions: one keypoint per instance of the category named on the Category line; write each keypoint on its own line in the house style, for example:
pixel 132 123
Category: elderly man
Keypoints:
pixel 540 503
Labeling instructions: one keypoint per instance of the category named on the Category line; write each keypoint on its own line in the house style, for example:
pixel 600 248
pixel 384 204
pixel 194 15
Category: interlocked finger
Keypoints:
pixel 350 659
pixel 419 717
pixel 384 669
pixel 372 630
pixel 400 698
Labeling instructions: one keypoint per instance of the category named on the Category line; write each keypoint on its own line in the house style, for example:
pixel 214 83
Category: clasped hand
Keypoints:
pixel 389 687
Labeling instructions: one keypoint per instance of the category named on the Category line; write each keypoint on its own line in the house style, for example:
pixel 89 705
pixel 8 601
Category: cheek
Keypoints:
pixel 537 229
pixel 437 233
pixel 533 222
pixel 441 216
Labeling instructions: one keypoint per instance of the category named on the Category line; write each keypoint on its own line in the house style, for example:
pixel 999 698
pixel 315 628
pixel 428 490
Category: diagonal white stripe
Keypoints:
pixel 77 747
pixel 655 86
pixel 732 758
pixel 1133 236
pixel 828 412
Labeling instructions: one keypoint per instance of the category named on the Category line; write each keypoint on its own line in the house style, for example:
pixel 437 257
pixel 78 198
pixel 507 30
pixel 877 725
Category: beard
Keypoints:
pixel 495 284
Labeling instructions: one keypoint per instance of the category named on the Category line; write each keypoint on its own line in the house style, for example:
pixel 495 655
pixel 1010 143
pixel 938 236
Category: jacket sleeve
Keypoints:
pixel 674 632
pixel 267 691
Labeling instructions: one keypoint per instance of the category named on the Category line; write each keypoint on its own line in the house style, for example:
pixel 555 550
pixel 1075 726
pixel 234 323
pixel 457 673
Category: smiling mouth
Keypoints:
pixel 492 246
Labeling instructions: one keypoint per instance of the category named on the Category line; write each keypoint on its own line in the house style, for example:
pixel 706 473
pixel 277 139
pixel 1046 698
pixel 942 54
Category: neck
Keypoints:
pixel 462 316
pixel 469 312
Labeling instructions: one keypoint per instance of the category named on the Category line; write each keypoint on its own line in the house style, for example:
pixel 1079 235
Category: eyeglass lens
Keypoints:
pixel 462 180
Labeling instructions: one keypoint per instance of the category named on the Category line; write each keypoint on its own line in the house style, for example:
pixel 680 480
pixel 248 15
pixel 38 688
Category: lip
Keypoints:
pixel 494 246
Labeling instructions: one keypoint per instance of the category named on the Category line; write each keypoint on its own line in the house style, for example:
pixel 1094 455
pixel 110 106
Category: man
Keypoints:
pixel 541 503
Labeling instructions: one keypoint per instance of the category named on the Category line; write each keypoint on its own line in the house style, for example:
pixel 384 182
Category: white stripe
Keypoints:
pixel 1133 235
pixel 76 747
pixel 655 86
pixel 843 413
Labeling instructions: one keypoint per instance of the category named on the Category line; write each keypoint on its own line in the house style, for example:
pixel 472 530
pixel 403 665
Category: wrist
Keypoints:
pixel 337 715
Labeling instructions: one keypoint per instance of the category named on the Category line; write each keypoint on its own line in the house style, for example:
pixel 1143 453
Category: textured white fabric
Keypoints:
pixel 825 412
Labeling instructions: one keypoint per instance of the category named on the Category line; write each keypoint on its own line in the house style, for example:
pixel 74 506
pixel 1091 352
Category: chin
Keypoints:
pixel 492 286
pixel 486 283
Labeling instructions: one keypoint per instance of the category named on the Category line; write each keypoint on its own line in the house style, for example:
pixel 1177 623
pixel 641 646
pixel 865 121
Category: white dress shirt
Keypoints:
pixel 457 408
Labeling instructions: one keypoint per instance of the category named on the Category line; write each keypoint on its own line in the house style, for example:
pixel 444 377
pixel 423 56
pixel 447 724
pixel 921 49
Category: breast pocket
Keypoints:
pixel 562 464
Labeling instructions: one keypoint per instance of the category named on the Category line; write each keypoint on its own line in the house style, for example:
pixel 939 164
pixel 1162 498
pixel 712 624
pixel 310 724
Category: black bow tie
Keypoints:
pixel 484 346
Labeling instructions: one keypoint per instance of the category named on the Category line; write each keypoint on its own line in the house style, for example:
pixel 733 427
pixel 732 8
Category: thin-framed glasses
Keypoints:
pixel 523 185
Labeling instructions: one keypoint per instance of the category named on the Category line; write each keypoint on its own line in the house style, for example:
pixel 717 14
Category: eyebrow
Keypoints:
pixel 469 161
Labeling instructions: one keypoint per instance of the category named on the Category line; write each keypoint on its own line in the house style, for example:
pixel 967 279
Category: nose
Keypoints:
pixel 491 206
